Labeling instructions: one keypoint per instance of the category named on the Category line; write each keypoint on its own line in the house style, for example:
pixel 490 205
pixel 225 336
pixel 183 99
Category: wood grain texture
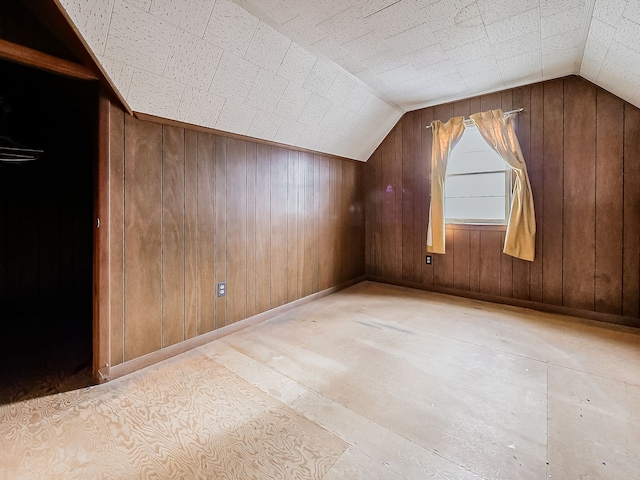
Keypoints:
pixel 173 252
pixel 579 219
pixel 609 202
pixel 253 215
pixel 584 183
pixel 143 238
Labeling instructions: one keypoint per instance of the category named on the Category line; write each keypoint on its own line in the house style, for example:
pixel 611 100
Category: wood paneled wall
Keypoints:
pixel 190 209
pixel 582 148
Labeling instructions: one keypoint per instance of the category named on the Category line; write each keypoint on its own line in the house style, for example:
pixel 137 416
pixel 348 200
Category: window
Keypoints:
pixel 478 183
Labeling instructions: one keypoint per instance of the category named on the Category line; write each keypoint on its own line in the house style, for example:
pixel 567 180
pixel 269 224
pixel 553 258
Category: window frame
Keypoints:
pixel 508 184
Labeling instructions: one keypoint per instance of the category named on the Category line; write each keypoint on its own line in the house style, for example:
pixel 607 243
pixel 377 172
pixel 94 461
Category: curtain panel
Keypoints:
pixel 498 131
pixel 445 137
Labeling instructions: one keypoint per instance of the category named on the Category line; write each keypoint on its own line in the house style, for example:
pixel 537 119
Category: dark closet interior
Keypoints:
pixel 46 234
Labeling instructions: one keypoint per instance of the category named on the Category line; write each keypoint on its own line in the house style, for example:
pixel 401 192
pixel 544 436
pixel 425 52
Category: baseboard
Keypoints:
pixel 159 355
pixel 541 307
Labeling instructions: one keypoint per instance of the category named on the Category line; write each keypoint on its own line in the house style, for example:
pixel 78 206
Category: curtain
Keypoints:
pixel 445 138
pixel 498 131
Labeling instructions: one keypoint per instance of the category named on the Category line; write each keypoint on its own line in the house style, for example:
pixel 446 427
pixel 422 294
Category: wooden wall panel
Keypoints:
pixel 584 176
pixel 205 258
pixel 197 209
pixel 631 208
pixel 579 219
pixel 236 240
pixel 143 238
pixel 190 234
pixel 553 181
pixel 220 230
pixel 172 236
pixel 609 202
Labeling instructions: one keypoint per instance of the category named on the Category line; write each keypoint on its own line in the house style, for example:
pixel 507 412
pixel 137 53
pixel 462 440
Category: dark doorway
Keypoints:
pixel 46 235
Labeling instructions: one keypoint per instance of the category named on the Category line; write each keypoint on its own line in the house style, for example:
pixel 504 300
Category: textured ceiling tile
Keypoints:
pixel 551 7
pixel 296 64
pixel 356 98
pixel 438 70
pixel 632 11
pixel 619 78
pixel 561 22
pixel 366 46
pixel 525 66
pixel 367 8
pixel 601 32
pixel 154 94
pixel 411 40
pixel 609 11
pixel 470 51
pixel 266 91
pixel 320 77
pixel 189 15
pixel 448 13
pixel 293 101
pixel 92 19
pixel 493 11
pixel 192 61
pixel 289 132
pixel 200 107
pixel 397 18
pixel 234 77
pixel 268 47
pixel 351 64
pixel 138 38
pixel 594 53
pixel 405 72
pixel 515 26
pixel 330 48
pixel 304 29
pixel 628 33
pixel 231 27
pixel 477 66
pixel 340 88
pixel 265 125
pixel 563 41
pixel 141 4
pixel 624 56
pixel 487 80
pixel 462 33
pixel 120 73
pixel 310 137
pixel 235 117
pixel 315 110
pixel 333 117
pixel 281 11
pixel 385 61
pixel 345 27
pixel 518 46
pixel 427 56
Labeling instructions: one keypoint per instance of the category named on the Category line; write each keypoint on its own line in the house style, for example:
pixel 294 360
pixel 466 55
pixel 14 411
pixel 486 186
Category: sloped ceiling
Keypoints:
pixel 336 75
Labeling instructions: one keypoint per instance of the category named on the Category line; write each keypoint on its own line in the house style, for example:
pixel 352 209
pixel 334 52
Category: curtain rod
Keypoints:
pixel 469 122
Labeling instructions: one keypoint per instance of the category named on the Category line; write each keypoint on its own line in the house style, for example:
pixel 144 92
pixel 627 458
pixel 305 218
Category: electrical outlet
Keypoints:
pixel 428 260
pixel 222 289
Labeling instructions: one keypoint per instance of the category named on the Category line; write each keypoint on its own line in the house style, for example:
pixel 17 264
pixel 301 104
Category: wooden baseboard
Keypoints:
pixel 541 307
pixel 154 357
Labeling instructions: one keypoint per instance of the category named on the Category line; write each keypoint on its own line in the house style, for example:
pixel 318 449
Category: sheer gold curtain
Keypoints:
pixel 498 131
pixel 445 138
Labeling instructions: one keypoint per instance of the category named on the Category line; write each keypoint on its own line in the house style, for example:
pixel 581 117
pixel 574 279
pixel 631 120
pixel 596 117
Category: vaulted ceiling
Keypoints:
pixel 336 75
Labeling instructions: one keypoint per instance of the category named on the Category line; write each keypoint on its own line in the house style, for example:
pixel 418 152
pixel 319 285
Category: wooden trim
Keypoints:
pixel 176 123
pixel 33 58
pixel 540 307
pixel 483 227
pixel 168 352
pixel 101 292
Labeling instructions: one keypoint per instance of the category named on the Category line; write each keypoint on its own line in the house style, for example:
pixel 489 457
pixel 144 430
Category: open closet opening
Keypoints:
pixel 46 233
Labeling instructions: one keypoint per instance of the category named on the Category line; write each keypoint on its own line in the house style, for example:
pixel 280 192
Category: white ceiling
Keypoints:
pixel 336 75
